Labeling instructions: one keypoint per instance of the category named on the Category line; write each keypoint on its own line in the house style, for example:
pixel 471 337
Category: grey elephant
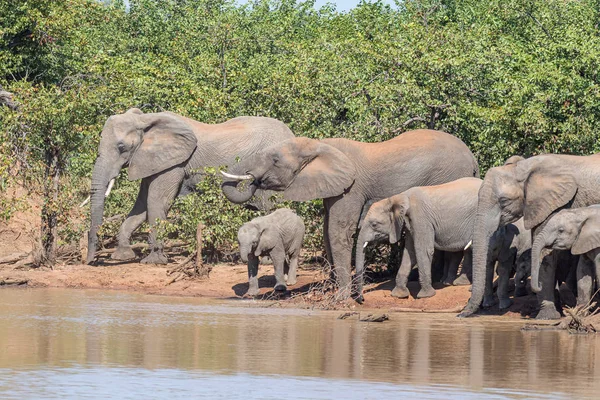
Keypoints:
pixel 168 153
pixel 347 174
pixel 577 230
pixel 532 188
pixel 510 247
pixel 436 217
pixel 278 235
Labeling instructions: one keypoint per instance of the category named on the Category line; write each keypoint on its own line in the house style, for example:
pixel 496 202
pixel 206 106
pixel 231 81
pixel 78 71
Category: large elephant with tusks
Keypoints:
pixel 347 174
pixel 168 153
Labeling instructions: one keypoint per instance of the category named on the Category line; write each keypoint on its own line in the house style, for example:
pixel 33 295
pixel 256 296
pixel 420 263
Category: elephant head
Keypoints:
pixel 575 229
pixel 254 240
pixel 145 143
pixel 384 220
pixel 301 168
pixel 530 188
pixel 523 270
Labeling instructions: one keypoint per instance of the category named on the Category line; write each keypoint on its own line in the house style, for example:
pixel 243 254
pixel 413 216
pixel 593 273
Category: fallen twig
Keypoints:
pixel 13 258
pixel 348 315
pixel 13 282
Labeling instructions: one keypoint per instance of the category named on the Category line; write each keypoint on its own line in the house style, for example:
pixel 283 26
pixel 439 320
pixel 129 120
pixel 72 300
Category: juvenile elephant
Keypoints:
pixel 168 153
pixel 578 230
pixel 278 235
pixel 510 246
pixel 435 218
pixel 532 188
pixel 347 174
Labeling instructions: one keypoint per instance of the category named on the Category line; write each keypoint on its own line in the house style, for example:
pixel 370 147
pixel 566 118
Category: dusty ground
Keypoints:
pixel 230 281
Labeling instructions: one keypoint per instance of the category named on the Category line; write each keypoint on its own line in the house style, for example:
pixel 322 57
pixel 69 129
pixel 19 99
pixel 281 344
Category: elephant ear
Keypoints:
pixel 398 212
pixel 548 186
pixel 589 236
pixel 324 172
pixel 134 111
pixel 513 160
pixel 166 142
pixel 265 242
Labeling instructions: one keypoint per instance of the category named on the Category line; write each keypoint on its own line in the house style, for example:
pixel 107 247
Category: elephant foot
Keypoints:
pixel 252 292
pixel 505 303
pixel 155 258
pixel 548 312
pixel 280 287
pixel 400 292
pixel 123 253
pixel 448 281
pixel 488 301
pixel 290 280
pixel 424 293
pixel 520 291
pixel 462 280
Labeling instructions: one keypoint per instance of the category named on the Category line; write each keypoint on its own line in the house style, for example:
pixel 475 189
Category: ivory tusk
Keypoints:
pixel 468 244
pixel 365 245
pixel 110 186
pixel 237 177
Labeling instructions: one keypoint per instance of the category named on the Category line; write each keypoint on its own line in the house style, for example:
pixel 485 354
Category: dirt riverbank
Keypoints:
pixel 228 281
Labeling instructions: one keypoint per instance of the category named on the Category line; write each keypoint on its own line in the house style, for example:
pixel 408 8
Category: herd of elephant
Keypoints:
pixel 422 185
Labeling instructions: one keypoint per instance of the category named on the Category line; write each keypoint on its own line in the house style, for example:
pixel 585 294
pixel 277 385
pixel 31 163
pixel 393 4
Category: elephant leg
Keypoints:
pixel 278 257
pixel 452 260
pixel 466 271
pixel 253 275
pixel 343 218
pixel 504 269
pixel 408 261
pixel 162 190
pixel 136 217
pixel 546 296
pixel 423 243
pixel 293 267
pixel 585 280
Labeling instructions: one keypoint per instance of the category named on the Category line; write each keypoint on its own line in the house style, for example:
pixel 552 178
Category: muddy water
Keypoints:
pixel 58 343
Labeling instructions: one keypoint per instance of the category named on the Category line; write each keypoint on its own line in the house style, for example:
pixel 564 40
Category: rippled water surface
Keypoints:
pixel 58 343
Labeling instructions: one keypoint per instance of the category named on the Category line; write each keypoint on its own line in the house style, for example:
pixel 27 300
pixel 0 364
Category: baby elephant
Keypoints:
pixel 278 235
pixel 435 218
pixel 578 230
pixel 510 246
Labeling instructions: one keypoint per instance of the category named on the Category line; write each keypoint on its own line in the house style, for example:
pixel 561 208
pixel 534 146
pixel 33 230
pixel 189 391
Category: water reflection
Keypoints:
pixel 57 330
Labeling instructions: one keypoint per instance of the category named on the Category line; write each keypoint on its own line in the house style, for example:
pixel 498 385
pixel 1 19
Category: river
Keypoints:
pixel 63 343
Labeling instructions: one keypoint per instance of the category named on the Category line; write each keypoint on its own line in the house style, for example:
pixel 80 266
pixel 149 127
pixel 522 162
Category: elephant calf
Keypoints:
pixel 435 218
pixel 578 230
pixel 510 246
pixel 278 235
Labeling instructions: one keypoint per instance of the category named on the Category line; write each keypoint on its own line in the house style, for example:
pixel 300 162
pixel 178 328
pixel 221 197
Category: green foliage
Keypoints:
pixel 506 76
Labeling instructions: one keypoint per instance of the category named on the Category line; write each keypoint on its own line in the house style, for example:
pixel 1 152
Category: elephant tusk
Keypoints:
pixel 468 244
pixel 365 245
pixel 110 186
pixel 237 177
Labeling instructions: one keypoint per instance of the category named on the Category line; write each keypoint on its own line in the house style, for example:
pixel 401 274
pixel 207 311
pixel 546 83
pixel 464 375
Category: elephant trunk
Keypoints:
pixel 244 251
pixel 536 252
pixel 486 223
pixel 231 181
pixel 361 247
pixel 101 176
pixel 232 193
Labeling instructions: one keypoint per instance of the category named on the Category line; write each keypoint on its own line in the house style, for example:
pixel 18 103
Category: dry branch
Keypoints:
pixel 13 282
pixel 13 258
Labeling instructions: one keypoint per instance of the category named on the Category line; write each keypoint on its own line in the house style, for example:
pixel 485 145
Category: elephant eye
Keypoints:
pixel 121 147
pixel 561 230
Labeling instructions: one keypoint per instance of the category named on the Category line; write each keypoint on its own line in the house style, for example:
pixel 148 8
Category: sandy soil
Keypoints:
pixel 230 281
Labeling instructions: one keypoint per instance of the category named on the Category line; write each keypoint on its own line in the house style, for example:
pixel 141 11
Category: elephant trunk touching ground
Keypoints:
pixel 361 248
pixel 487 221
pixel 101 176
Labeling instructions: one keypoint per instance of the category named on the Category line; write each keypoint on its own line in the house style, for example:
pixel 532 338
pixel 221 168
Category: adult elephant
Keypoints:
pixel 347 174
pixel 168 153
pixel 532 188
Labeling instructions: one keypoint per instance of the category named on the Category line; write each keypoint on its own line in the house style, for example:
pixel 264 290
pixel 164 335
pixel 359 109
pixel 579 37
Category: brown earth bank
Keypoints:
pixel 229 281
